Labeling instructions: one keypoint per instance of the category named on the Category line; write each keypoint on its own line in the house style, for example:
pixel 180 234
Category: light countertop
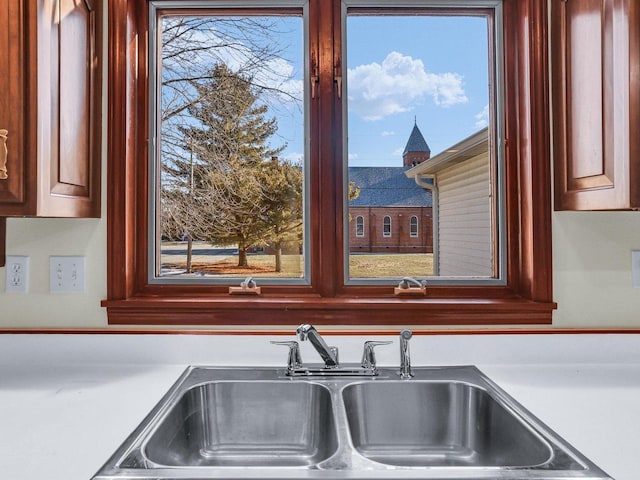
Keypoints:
pixel 68 401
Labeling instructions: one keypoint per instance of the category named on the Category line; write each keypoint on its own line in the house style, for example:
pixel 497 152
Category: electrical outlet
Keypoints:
pixel 17 274
pixel 67 274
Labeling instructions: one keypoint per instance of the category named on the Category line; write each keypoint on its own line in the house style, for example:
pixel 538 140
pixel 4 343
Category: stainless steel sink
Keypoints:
pixel 254 423
pixel 422 424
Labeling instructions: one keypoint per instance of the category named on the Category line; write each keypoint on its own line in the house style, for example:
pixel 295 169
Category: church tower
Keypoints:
pixel 417 150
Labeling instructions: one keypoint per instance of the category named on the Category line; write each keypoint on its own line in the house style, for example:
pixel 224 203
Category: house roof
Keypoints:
pixel 462 151
pixel 416 142
pixel 387 187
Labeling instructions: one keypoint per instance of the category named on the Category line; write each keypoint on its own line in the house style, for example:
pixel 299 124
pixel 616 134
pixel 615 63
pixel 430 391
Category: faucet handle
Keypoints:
pixel 369 356
pixel 294 360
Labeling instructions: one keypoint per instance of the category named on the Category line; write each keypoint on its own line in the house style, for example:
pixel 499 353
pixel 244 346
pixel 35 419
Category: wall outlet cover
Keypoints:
pixel 67 274
pixel 17 274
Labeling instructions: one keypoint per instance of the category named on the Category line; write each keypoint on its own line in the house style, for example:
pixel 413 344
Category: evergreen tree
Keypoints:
pixel 283 196
pixel 223 189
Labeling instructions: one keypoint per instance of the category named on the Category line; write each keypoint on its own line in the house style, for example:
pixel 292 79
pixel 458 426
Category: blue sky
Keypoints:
pixel 433 70
pixel 400 69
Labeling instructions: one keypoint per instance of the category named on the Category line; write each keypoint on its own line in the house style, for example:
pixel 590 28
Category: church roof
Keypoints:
pixel 387 187
pixel 416 142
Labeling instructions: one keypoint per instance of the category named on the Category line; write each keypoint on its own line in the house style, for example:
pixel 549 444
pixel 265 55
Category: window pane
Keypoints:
pixel 360 226
pixel 230 154
pixel 420 168
pixel 386 226
pixel 414 226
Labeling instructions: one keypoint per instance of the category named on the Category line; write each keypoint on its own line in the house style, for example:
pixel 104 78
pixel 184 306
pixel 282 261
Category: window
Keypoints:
pixel 386 226
pixel 413 226
pixel 412 93
pixel 321 290
pixel 228 155
pixel 359 226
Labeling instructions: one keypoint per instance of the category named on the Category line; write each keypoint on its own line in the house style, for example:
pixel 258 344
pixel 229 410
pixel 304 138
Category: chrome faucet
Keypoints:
pixel 328 354
pixel 366 368
pixel 405 359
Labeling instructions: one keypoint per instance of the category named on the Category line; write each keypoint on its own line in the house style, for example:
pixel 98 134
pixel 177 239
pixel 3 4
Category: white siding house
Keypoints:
pixel 463 207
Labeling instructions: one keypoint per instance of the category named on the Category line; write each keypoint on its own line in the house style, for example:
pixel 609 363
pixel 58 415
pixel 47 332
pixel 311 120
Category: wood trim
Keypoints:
pixel 527 297
pixel 3 241
pixel 634 101
pixel 325 332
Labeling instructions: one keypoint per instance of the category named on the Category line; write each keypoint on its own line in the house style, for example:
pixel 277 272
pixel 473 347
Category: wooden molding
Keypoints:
pixel 329 331
pixel 525 299
pixel 3 241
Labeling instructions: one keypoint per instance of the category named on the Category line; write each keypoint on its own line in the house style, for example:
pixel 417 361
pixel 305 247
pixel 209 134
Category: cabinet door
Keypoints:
pixel 12 100
pixel 50 99
pixel 596 104
pixel 69 107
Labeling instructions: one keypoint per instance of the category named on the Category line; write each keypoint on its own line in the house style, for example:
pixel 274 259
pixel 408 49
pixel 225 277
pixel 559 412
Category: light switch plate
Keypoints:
pixel 67 274
pixel 635 268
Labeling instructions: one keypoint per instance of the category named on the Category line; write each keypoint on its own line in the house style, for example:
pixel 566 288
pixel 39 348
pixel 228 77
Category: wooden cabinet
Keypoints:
pixel 595 51
pixel 50 115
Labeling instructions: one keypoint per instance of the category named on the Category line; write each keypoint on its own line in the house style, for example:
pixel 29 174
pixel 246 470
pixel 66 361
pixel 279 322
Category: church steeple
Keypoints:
pixel 417 150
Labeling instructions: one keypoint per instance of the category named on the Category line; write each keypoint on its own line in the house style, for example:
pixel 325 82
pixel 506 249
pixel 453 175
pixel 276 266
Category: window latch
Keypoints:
pixel 337 78
pixel 410 286
pixel 315 77
pixel 247 287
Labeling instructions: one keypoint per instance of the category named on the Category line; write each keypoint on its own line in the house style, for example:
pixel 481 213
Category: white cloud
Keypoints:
pixel 386 133
pixel 397 84
pixel 482 118
pixel 398 152
pixel 353 156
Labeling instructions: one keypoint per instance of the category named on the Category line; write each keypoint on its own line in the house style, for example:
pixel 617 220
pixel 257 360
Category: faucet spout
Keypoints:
pixel 328 354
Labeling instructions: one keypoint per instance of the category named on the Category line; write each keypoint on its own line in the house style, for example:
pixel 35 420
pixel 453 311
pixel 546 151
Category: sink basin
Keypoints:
pixel 253 424
pixel 257 423
pixel 423 424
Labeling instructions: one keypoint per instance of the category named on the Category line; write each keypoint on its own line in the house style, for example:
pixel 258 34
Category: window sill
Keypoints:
pixel 192 310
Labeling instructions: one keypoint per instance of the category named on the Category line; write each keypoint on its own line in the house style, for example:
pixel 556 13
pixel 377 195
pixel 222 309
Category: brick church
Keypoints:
pixel 392 214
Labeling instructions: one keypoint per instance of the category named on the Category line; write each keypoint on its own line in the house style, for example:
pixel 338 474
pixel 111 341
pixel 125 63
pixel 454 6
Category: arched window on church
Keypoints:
pixel 413 226
pixel 386 226
pixel 359 226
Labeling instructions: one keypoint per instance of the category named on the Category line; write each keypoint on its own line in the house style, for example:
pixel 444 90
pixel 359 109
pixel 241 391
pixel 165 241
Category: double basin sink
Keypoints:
pixel 444 423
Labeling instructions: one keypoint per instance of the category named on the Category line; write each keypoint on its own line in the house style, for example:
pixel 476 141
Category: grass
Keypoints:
pixel 360 265
pixel 391 265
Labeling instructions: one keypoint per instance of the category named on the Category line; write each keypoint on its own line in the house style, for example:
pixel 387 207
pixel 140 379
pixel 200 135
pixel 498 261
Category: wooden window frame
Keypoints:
pixel 525 299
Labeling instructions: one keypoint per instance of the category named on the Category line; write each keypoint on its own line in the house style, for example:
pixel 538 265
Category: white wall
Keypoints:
pixel 592 269
pixel 40 238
